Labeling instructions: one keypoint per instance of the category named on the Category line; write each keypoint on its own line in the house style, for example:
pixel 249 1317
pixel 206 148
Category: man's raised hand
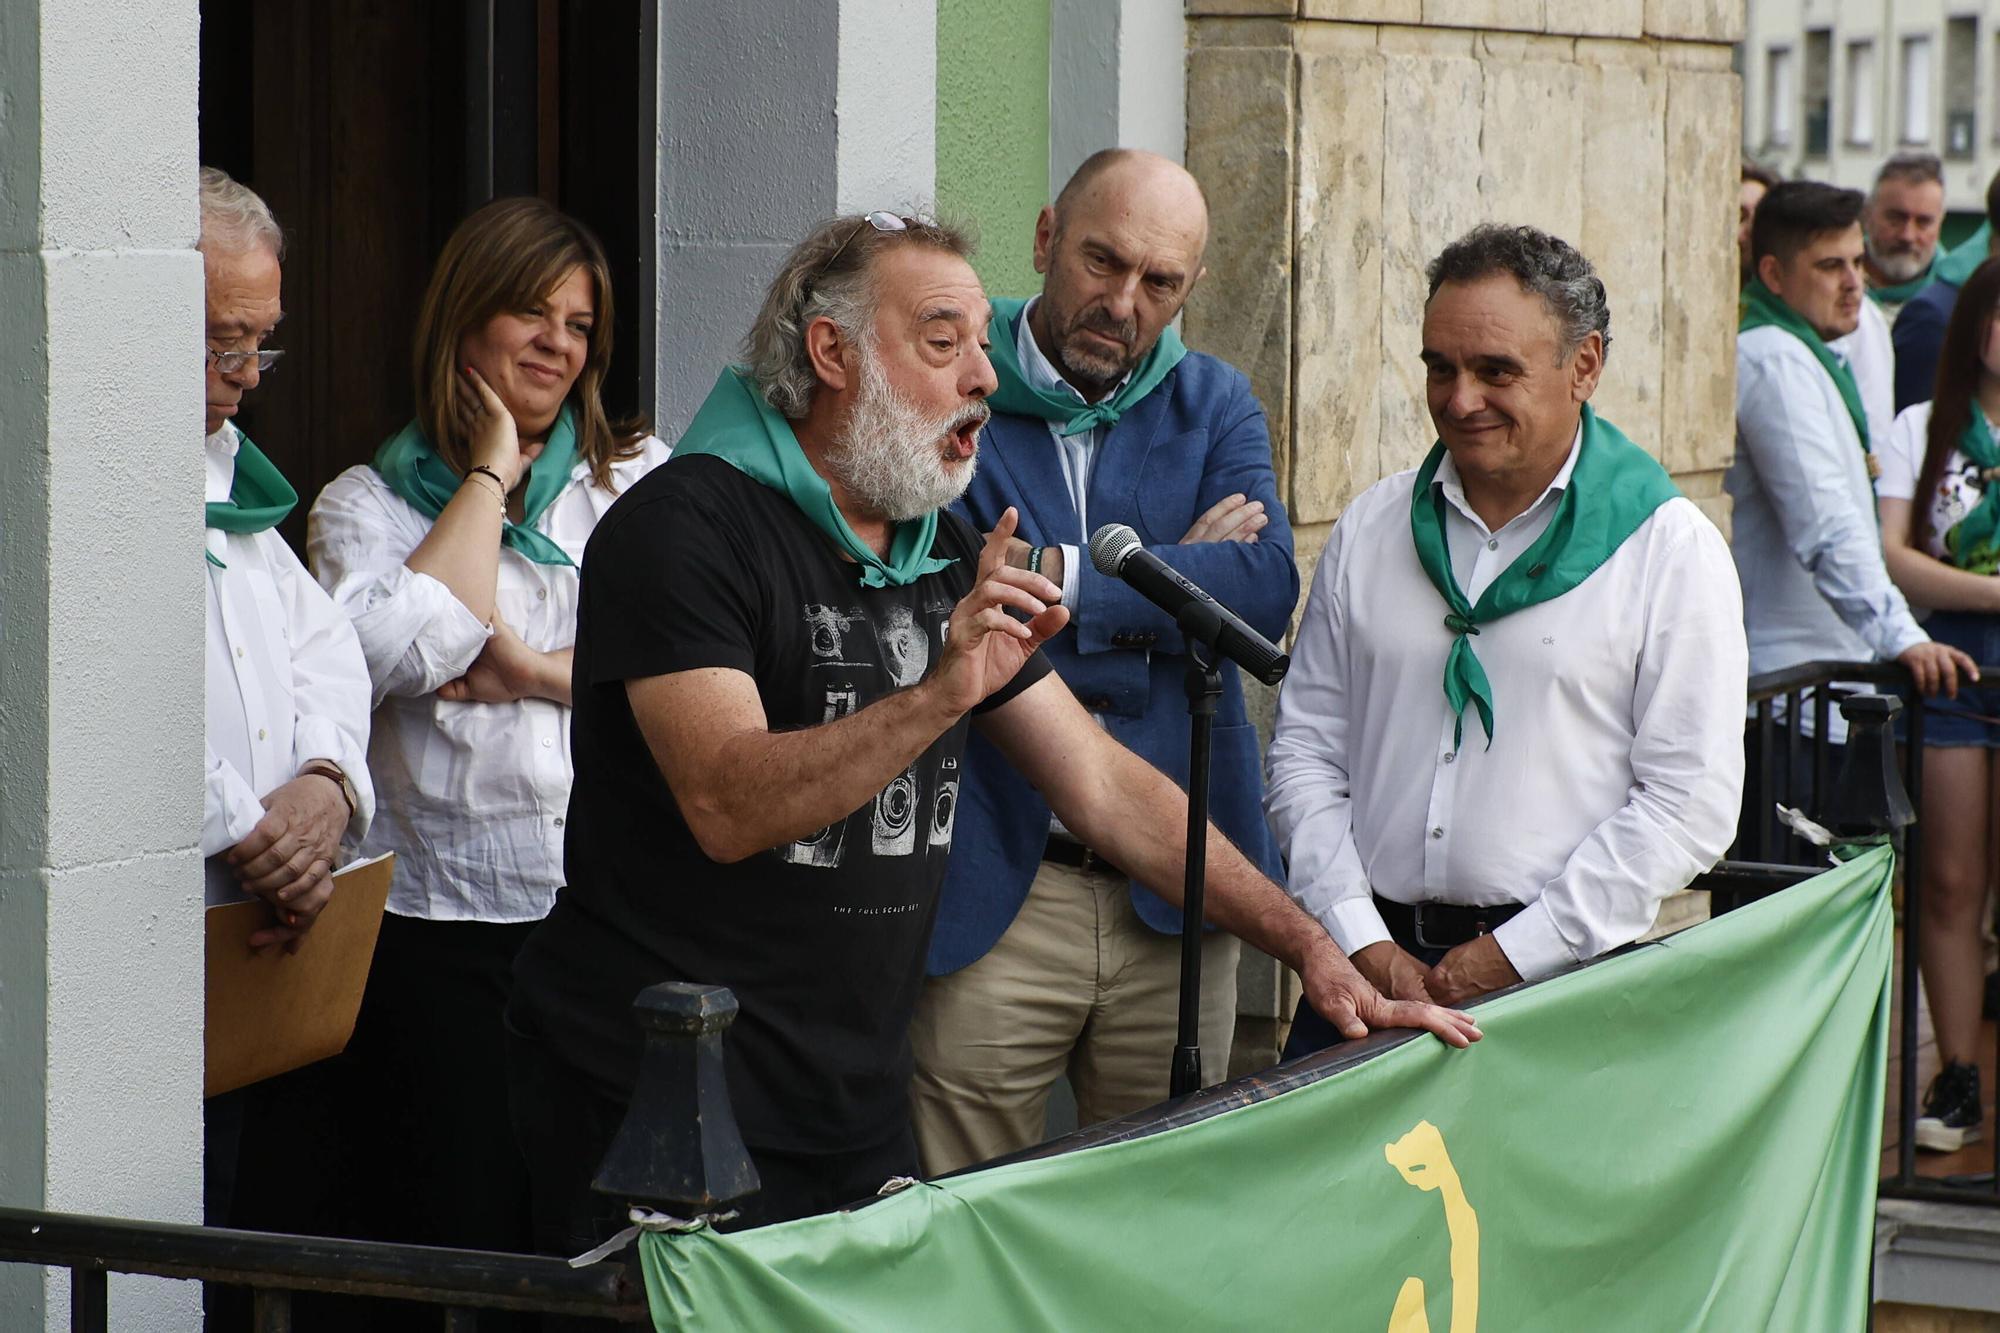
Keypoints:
pixel 984 645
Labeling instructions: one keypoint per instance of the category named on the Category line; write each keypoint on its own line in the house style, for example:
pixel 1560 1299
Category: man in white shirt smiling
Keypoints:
pixel 287 695
pixel 1513 723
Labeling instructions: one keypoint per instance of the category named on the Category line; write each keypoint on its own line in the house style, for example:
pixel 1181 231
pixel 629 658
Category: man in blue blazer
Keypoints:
pixel 1045 960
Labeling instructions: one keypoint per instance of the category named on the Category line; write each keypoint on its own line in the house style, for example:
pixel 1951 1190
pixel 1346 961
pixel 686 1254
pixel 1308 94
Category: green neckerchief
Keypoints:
pixel 413 469
pixel 1966 256
pixel 1762 306
pixel 1614 487
pixel 1903 291
pixel 1023 399
pixel 1971 544
pixel 259 496
pixel 739 427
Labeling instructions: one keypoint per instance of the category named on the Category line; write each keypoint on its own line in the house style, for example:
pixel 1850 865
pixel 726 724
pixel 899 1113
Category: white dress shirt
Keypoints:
pixel 1807 546
pixel 1616 767
pixel 286 682
pixel 1871 355
pixel 1078 452
pixel 473 794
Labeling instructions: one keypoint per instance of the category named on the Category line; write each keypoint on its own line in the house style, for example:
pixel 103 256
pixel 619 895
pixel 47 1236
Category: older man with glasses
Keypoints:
pixel 285 773
pixel 783 641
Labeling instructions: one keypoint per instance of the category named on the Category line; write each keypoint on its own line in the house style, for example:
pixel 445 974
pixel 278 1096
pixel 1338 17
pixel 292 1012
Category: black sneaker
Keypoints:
pixel 1951 1109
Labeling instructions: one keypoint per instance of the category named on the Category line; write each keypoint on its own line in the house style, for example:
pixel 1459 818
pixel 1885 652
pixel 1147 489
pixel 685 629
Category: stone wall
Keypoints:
pixel 1344 142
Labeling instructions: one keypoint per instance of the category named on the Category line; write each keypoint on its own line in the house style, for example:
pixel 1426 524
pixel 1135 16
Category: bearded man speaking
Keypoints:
pixel 781 644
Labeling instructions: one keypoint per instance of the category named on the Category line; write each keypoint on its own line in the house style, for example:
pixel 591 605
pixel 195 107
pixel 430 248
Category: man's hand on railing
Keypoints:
pixel 1937 667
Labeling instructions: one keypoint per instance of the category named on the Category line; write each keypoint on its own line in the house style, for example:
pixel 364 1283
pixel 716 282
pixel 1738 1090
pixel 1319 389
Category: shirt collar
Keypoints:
pixel 219 451
pixel 1040 372
pixel 1448 479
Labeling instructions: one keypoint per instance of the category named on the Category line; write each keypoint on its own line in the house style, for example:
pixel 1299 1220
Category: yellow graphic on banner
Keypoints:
pixel 1421 1158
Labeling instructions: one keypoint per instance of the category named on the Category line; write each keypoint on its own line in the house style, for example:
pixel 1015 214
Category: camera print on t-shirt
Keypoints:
pixel 901 818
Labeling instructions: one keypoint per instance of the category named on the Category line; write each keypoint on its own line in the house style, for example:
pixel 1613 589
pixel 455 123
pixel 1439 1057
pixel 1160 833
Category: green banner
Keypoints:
pixel 1683 1137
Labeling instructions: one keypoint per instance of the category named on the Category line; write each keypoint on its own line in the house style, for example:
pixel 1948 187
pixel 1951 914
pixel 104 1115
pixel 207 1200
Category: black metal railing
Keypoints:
pixel 1793 767
pixel 677 1151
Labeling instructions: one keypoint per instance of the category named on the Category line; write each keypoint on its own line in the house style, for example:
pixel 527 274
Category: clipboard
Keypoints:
pixel 271 1012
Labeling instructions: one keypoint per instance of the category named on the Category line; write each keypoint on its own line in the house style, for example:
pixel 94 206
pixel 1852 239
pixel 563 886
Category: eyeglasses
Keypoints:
pixel 880 221
pixel 228 363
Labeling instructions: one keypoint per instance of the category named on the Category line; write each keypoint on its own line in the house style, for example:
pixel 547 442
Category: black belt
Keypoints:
pixel 1442 925
pixel 1069 852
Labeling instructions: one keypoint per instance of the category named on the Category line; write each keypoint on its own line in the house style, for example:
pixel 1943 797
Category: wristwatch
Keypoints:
pixel 326 768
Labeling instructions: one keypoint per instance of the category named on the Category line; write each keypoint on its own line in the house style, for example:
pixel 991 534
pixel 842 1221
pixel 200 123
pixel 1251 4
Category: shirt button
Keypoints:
pixel 541 594
pixel 547 741
pixel 1493 544
pixel 1438 832
pixel 239 650
pixel 558 821
pixel 1451 756
pixel 260 733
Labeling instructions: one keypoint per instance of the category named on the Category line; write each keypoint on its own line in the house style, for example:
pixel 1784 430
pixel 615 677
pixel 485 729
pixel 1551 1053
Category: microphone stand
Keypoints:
pixel 1199 625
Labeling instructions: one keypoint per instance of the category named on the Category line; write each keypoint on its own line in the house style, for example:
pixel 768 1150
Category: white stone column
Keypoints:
pixel 773 116
pixel 1117 79
pixel 101 619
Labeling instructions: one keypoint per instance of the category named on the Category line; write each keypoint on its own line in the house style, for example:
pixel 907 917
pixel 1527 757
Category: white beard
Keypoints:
pixel 1898 268
pixel 890 456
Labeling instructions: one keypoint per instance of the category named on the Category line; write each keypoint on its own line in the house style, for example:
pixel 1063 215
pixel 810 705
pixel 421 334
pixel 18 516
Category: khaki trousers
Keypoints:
pixel 1078 985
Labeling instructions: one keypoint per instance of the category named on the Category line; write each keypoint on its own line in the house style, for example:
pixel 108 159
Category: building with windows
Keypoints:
pixel 1833 87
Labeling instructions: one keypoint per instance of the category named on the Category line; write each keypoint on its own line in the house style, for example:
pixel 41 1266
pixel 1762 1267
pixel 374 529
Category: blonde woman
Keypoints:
pixel 455 552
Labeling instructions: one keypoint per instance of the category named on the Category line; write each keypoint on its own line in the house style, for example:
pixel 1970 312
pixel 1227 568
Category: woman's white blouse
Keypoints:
pixel 471 796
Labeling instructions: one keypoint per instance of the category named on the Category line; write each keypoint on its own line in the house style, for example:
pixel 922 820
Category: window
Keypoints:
pixel 1819 92
pixel 1780 95
pixel 1917 90
pixel 1961 74
pixel 1861 93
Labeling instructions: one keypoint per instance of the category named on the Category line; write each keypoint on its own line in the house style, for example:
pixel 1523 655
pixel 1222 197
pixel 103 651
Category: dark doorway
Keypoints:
pixel 371 127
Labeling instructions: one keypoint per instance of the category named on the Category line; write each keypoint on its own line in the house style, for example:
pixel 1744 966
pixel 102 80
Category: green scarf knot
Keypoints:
pixel 259 496
pixel 1614 487
pixel 736 425
pixel 412 467
pixel 1974 544
pixel 1760 306
pixel 1017 396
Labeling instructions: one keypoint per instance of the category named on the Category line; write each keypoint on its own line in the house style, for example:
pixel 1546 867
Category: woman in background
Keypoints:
pixel 1939 502
pixel 456 554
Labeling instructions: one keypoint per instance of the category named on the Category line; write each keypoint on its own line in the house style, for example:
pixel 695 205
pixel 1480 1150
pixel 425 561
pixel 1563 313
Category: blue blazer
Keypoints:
pixel 1196 438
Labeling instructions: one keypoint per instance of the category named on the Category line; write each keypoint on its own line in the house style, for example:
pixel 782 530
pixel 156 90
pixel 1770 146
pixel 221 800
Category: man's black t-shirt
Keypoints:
pixel 823 939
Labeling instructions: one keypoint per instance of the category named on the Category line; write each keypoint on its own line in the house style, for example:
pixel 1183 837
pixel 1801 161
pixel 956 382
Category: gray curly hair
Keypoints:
pixel 234 218
pixel 1544 265
pixel 828 275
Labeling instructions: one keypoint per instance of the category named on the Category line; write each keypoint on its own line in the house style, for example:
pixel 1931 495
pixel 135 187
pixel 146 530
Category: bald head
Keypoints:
pixel 1120 249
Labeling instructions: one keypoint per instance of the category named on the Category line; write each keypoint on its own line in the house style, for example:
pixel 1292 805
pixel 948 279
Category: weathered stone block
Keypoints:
pixel 1533 167
pixel 1519 15
pixel 1200 8
pixel 1698 272
pixel 1624 218
pixel 1337 347
pixel 1241 117
pixel 1431 166
pixel 1599 18
pixel 1366 11
pixel 1442 42
pixel 1695 20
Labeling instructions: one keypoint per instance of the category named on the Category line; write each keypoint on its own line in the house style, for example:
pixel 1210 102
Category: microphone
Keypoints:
pixel 1117 552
